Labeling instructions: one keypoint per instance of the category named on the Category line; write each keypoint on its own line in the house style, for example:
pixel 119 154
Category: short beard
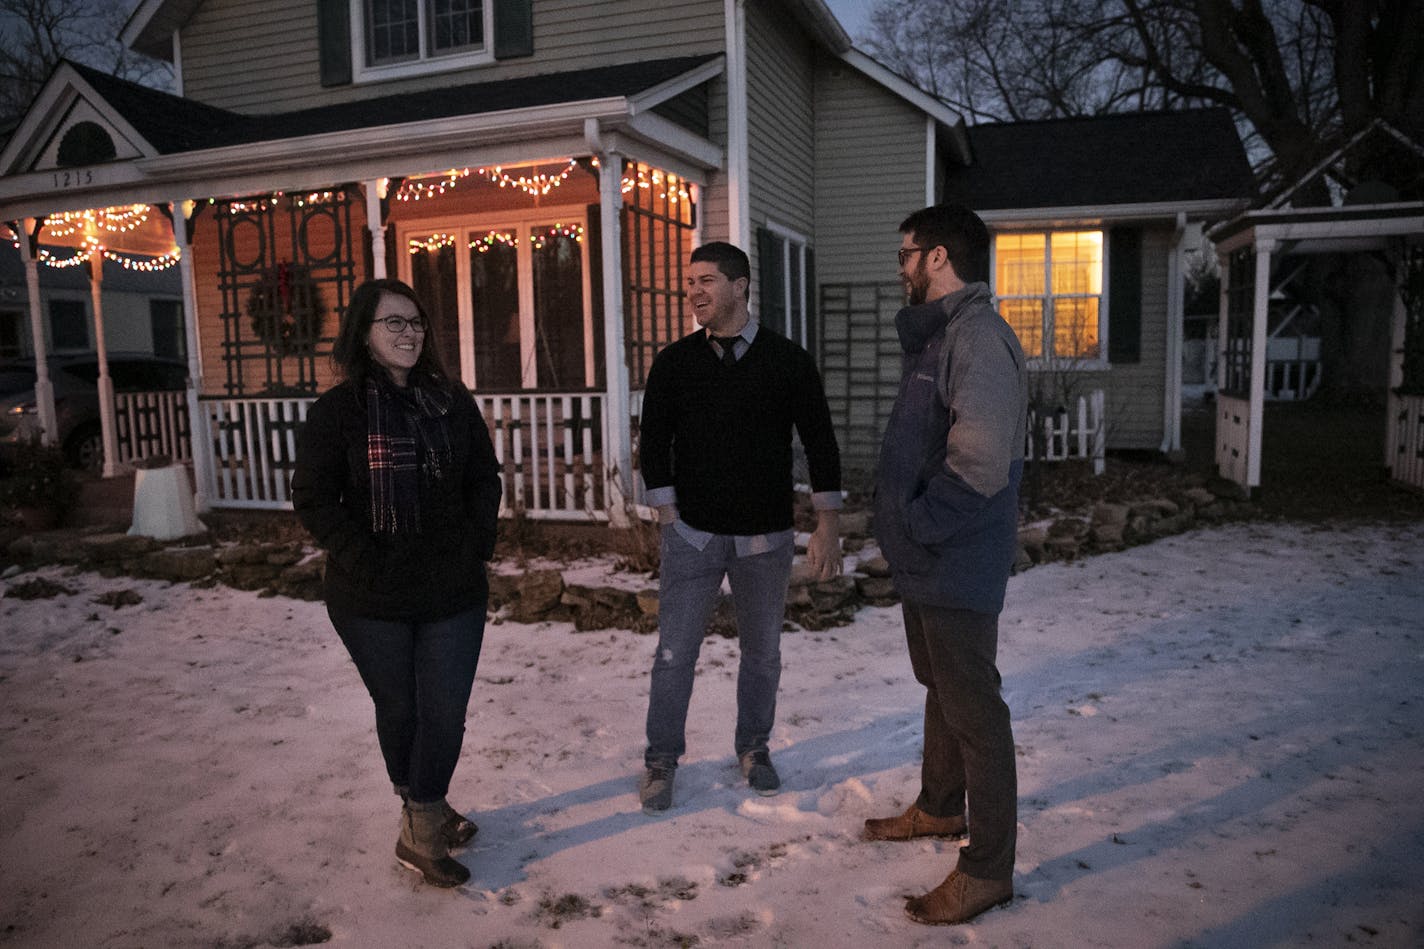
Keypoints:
pixel 917 285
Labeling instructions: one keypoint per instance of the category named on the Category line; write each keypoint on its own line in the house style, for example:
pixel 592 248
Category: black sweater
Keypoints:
pixel 428 575
pixel 722 435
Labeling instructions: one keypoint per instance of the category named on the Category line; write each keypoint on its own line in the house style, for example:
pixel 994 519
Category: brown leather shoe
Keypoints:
pixel 913 823
pixel 959 899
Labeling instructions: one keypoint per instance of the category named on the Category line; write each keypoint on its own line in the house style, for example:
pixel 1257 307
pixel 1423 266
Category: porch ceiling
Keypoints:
pixel 195 151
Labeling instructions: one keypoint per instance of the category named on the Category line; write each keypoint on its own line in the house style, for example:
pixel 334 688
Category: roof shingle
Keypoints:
pixel 1120 159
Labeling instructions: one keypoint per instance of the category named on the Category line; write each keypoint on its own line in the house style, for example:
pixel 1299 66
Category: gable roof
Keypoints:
pixel 173 124
pixel 167 122
pixel 1109 161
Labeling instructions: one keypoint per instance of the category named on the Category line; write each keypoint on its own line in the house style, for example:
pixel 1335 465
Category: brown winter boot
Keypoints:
pixel 457 829
pixel 913 823
pixel 422 845
pixel 959 899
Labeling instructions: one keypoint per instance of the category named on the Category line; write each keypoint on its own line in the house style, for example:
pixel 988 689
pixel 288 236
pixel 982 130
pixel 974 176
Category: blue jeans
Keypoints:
pixel 969 743
pixel 687 594
pixel 419 676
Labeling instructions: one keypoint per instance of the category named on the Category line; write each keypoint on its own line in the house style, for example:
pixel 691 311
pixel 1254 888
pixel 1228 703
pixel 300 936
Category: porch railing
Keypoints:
pixel 254 449
pixel 1081 433
pixel 152 423
pixel 550 451
pixel 549 447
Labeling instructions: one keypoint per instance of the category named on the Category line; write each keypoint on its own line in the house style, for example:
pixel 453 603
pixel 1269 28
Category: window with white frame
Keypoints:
pixel 785 261
pixel 1050 290
pixel 403 37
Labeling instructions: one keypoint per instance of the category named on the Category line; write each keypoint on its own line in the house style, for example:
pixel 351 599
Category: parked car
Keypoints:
pixel 76 397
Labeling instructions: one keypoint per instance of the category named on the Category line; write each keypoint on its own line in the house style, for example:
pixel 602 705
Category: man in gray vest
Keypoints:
pixel 946 516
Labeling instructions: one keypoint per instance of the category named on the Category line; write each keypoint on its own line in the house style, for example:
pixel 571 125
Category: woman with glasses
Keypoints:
pixel 396 479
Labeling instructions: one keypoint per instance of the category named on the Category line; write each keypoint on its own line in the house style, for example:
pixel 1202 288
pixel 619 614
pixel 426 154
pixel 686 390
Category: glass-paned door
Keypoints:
pixel 494 297
pixel 510 296
pixel 434 277
pixel 557 254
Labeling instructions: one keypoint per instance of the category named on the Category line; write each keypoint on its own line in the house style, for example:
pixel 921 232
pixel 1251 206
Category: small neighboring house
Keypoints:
pixel 144 310
pixel 540 170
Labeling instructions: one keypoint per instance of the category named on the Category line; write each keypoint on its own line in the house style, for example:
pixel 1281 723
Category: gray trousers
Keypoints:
pixel 689 581
pixel 969 744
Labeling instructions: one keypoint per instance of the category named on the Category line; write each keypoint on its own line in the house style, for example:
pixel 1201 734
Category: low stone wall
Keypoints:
pixel 275 569
pixel 293 569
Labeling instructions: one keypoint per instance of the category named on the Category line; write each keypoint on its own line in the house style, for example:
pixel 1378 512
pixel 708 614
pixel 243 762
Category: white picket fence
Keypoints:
pixel 254 449
pixel 548 446
pixel 1081 433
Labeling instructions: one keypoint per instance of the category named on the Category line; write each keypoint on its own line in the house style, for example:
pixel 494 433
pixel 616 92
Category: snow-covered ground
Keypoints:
pixel 1221 743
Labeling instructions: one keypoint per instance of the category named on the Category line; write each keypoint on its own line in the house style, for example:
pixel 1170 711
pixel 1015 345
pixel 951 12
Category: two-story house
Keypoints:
pixel 540 169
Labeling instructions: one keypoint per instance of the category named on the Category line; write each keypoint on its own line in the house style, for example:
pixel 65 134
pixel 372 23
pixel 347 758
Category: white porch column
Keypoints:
pixel 28 233
pixel 181 213
pixel 617 435
pixel 108 425
pixel 1260 313
pixel 375 222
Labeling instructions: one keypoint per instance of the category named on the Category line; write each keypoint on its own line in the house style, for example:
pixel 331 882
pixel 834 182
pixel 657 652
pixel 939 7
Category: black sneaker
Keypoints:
pixel 760 775
pixel 655 788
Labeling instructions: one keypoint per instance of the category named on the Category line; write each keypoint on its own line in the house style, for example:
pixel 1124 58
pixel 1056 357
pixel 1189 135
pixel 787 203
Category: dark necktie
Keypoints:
pixel 729 353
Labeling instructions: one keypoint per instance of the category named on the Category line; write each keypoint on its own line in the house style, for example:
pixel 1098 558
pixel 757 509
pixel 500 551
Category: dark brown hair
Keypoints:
pixel 731 261
pixel 349 353
pixel 959 231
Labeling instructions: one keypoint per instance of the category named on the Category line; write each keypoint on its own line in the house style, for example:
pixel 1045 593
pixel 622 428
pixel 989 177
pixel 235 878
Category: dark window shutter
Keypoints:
pixel 513 28
pixel 773 281
pixel 333 25
pixel 1125 294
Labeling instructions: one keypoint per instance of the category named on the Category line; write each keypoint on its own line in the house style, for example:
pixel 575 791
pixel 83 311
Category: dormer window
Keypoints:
pixel 396 38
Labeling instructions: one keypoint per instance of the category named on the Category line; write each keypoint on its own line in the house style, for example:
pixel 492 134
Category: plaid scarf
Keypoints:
pixel 407 437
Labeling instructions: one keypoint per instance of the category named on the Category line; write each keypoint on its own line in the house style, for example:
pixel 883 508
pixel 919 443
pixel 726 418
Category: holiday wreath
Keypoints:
pixel 286 309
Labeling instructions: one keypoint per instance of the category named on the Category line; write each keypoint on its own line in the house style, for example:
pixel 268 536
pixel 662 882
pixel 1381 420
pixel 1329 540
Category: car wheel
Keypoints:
pixel 85 449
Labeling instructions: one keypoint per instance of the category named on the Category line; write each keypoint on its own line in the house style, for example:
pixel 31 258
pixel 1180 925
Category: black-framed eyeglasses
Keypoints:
pixel 904 253
pixel 397 324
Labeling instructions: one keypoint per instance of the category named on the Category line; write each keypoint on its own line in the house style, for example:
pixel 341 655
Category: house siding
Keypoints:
pixel 260 56
pixel 869 174
pixel 781 116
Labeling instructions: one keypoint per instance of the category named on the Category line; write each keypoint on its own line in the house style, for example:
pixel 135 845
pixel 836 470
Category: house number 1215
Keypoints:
pixel 73 179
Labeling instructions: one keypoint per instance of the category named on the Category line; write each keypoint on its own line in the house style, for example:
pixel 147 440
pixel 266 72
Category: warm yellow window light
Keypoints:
pixel 1050 286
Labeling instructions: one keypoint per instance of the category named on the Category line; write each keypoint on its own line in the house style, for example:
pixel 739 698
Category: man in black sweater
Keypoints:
pixel 719 409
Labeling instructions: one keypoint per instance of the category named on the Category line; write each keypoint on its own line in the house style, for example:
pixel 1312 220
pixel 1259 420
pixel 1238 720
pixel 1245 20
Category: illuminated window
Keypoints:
pixel 1050 290
pixel 396 32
